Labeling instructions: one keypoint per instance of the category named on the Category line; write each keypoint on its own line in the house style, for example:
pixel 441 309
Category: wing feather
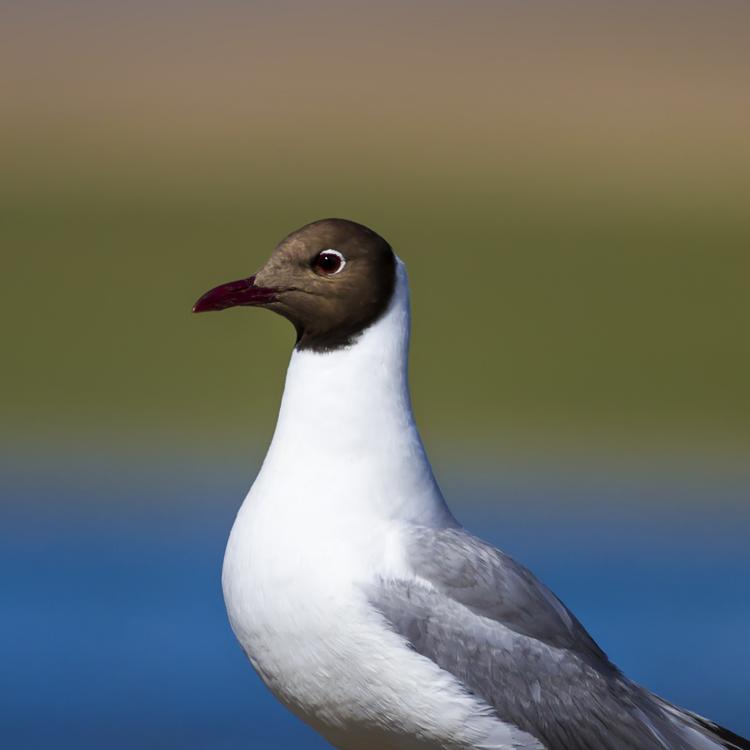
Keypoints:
pixel 486 619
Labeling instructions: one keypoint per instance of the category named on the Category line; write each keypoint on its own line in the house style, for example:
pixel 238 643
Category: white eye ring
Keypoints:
pixel 328 252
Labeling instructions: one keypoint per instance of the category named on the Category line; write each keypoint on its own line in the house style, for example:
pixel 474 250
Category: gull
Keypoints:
pixel 360 601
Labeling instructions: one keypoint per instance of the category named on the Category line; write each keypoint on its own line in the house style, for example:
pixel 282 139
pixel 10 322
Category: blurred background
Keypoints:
pixel 568 184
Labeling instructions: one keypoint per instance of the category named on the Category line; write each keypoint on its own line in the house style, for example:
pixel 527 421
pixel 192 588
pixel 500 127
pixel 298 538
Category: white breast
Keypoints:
pixel 306 627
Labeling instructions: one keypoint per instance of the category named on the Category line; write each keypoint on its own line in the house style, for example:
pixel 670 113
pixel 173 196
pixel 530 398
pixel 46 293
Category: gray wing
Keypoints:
pixel 485 619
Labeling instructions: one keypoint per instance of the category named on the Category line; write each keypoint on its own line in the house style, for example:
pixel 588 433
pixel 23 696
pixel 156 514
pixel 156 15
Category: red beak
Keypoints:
pixel 242 292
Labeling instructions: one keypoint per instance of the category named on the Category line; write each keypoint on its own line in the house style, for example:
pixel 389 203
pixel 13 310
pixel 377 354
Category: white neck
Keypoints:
pixel 346 442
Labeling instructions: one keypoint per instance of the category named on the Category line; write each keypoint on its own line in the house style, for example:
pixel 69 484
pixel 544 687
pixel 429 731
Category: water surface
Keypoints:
pixel 114 633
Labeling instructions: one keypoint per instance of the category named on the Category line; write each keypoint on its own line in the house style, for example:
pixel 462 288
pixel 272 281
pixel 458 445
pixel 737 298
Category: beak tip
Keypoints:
pixel 202 305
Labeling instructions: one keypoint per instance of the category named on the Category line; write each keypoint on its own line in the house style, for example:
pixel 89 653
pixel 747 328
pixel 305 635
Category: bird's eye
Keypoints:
pixel 328 262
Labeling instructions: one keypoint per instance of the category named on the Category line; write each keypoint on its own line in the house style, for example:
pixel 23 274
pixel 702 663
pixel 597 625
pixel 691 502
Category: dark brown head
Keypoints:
pixel 332 279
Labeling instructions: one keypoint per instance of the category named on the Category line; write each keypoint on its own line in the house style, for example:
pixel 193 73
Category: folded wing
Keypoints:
pixel 486 619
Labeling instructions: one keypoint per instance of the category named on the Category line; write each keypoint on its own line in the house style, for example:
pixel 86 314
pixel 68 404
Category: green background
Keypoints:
pixel 568 188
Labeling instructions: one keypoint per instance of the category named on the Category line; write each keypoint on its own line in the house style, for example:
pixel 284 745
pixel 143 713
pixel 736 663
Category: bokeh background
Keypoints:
pixel 568 184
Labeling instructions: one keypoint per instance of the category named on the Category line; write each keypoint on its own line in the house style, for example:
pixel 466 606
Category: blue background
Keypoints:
pixel 114 632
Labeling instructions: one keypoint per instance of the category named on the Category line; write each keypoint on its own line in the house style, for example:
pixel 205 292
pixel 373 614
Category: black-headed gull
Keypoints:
pixel 358 598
